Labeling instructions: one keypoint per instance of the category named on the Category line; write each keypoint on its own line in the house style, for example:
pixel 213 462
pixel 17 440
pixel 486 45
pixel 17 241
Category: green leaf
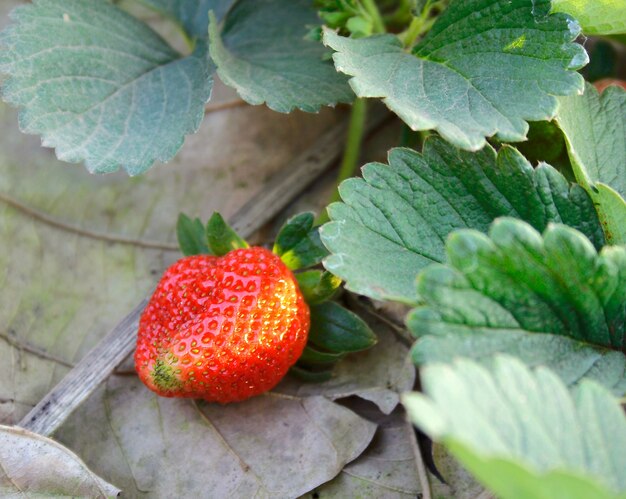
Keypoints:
pixel 612 209
pixel 569 359
pixel 191 235
pixel 517 280
pixel 310 376
pixel 317 286
pixel 522 433
pixel 222 238
pixel 100 86
pixel 394 221
pixel 513 480
pixel 339 330
pixel 596 17
pixel 298 243
pixel 262 53
pixel 595 132
pixel 485 68
pixel 192 15
pixel 312 356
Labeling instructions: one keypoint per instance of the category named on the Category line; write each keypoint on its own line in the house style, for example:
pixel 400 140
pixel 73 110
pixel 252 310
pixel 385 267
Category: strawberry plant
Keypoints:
pixel 497 225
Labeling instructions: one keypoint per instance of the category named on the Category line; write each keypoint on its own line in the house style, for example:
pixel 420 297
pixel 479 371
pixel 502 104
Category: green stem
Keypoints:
pixel 421 24
pixel 415 29
pixel 349 162
pixel 372 9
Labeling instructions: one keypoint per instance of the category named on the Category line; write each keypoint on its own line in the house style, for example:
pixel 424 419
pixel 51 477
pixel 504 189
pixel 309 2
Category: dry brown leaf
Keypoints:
pixel 32 465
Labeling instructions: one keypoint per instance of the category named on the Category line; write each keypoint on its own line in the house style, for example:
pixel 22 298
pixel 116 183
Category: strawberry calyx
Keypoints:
pixel 164 377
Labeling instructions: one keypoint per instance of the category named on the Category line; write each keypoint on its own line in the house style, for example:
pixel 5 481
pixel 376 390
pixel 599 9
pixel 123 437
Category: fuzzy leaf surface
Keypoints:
pixel 518 280
pixel 261 51
pixel 395 220
pixel 569 359
pixel 596 17
pixel 37 466
pixel 594 126
pixel 100 86
pixel 486 67
pixel 521 432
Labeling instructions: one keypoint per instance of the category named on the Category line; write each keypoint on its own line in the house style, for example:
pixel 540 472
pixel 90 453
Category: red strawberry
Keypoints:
pixel 222 328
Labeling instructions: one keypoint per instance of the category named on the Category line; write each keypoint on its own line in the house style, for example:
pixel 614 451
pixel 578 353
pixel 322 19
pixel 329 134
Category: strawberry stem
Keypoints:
pixel 351 152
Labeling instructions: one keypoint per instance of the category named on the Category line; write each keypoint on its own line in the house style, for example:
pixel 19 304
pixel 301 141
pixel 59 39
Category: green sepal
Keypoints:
pixel 312 356
pixel 191 236
pixel 298 243
pixel 317 286
pixel 338 330
pixel 310 376
pixel 221 237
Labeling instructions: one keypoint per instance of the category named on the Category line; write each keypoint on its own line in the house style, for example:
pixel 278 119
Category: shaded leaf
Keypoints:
pixel 34 465
pixel 387 469
pixel 394 221
pixel 191 236
pixel 337 329
pixel 545 144
pixel 569 359
pixel 317 286
pixel 594 126
pixel 521 432
pixel 192 15
pixel 310 376
pixel 517 280
pixel 262 52
pixel 269 446
pixel 596 17
pixel 453 480
pixel 222 238
pixel 313 356
pixel 486 67
pixel 100 86
pixel 298 243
